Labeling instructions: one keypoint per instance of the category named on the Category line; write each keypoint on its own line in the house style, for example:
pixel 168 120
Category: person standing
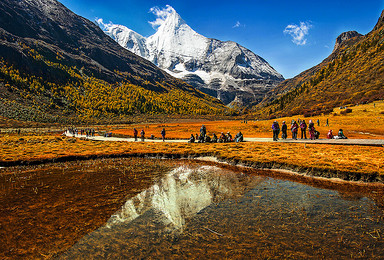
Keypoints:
pixel 203 131
pixel 294 129
pixel 303 127
pixel 163 134
pixel 284 130
pixel 135 133
pixel 311 129
pixel 276 130
pixel 318 122
pixel 142 135
pixel 327 123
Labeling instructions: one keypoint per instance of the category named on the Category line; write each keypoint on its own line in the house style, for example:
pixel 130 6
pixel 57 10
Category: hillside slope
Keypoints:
pixel 353 73
pixel 56 66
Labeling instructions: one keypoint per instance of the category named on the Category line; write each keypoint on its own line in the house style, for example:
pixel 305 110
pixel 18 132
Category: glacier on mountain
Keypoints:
pixel 223 69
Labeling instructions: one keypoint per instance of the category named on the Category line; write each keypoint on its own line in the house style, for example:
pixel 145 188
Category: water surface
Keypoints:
pixel 209 212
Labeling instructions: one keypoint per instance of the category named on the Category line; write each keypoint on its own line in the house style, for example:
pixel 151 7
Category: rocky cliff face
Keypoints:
pixel 380 22
pixel 225 70
pixel 344 37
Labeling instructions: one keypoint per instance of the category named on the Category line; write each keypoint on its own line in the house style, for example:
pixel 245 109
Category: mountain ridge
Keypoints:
pixel 225 70
pixel 61 65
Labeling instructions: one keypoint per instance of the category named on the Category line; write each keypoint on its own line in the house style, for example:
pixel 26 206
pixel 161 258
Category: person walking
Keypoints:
pixel 294 129
pixel 276 130
pixel 135 133
pixel 327 123
pixel 311 129
pixel 284 130
pixel 163 134
pixel 142 135
pixel 318 122
pixel 303 127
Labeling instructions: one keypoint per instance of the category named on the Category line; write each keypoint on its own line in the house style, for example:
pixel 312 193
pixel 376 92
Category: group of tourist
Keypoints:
pixel 142 135
pixel 340 135
pixel 302 126
pixel 295 126
pixel 88 132
pixel 223 138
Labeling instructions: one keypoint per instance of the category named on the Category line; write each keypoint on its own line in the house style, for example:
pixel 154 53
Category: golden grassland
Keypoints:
pixel 365 122
pixel 359 160
pixel 46 209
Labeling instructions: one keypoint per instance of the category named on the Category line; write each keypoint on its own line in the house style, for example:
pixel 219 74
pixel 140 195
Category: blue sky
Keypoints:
pixel 291 35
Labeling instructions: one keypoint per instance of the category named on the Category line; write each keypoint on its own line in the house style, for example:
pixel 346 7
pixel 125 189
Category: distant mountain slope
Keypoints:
pixel 225 70
pixel 52 60
pixel 353 73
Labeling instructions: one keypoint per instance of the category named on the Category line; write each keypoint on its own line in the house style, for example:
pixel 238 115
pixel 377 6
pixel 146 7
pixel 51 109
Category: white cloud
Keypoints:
pixel 102 25
pixel 298 33
pixel 161 15
pixel 238 24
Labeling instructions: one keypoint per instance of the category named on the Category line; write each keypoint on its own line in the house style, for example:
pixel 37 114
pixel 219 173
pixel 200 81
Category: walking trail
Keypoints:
pixel 364 142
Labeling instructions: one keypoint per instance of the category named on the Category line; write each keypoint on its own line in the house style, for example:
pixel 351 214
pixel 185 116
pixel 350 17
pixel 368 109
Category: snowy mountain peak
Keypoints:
pixel 225 70
pixel 126 37
pixel 173 20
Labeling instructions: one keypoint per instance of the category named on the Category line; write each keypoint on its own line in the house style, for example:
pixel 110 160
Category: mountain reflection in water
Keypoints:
pixel 209 212
pixel 163 209
pixel 183 193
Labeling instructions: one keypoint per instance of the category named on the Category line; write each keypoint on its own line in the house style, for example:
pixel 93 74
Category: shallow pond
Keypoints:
pixel 200 211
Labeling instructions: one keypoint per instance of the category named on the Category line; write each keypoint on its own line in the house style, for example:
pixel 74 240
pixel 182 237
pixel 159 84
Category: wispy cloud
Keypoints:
pixel 102 25
pixel 238 24
pixel 100 22
pixel 298 32
pixel 161 14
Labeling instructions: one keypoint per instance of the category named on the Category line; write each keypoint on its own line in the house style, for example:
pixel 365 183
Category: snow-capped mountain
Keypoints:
pixel 225 70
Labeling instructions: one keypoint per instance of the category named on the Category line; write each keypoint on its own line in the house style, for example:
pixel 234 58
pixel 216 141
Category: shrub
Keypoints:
pixel 346 111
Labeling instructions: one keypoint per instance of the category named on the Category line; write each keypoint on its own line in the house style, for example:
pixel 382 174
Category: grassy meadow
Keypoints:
pixel 353 159
pixel 364 122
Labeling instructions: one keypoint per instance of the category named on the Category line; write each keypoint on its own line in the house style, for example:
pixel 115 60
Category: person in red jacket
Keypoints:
pixel 311 129
pixel 330 134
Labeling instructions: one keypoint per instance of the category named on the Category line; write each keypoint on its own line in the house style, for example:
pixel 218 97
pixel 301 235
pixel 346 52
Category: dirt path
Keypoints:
pixel 364 142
